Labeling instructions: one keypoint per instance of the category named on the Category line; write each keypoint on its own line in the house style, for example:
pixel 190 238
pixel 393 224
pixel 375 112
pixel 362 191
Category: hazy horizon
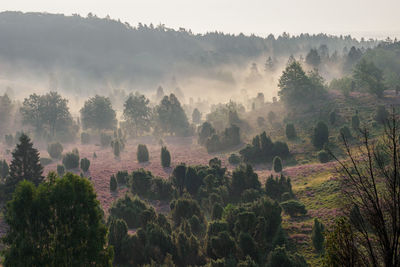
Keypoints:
pixel 369 19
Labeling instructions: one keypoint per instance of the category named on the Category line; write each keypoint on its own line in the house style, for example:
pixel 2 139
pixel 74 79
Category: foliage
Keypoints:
pixel 317 235
pixel 4 169
pixel 25 165
pixel 324 156
pixel 48 114
pixel 85 138
pixel 293 207
pixel 234 159
pixel 130 209
pixel 263 149
pixel 122 177
pixel 290 131
pixel 276 187
pixel 184 208
pixel 296 87
pixel 105 139
pixel 85 164
pixel 277 163
pixel 369 77
pixel 60 170
pixel 345 132
pixel 165 157
pixel 382 115
pixel 142 153
pixel 60 224
pixel 55 150
pixel 205 131
pixel 228 139
pixel 196 116
pixel 313 58
pixel 137 113
pixel 145 185
pixel 171 117
pixel 321 135
pixel 113 184
pixel 355 122
pixel 244 177
pixel 71 160
pixel 97 113
pixel 280 257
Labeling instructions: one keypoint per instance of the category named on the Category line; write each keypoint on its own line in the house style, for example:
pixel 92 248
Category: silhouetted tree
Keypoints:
pixel 137 113
pixel 97 113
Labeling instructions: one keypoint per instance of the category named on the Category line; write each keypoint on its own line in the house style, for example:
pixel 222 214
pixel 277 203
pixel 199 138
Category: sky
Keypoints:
pixel 360 18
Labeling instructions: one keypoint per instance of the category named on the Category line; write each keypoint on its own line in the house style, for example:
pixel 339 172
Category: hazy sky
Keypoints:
pixel 369 18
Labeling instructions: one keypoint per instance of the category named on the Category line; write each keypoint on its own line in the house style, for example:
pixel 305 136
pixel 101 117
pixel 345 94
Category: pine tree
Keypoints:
pixel 25 164
pixel 277 163
pixel 165 157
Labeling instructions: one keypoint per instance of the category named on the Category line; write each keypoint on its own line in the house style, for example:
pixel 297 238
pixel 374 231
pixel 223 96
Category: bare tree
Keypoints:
pixel 371 188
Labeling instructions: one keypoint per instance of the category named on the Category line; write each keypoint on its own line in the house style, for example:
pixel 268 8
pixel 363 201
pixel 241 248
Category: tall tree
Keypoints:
pixel 171 116
pixel 137 113
pixel 97 113
pixel 313 58
pixel 25 164
pixel 47 112
pixel 368 76
pixel 58 223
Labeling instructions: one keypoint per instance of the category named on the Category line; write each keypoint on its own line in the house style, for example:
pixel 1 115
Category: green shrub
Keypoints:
pixel 382 115
pixel 4 169
pixel 60 170
pixel 116 145
pixel 55 150
pixel 286 196
pixel 290 131
pixel 355 122
pixel 85 164
pixel 234 159
pixel 217 211
pixel 321 135
pixel 85 138
pixel 165 157
pixel 71 160
pixel 45 161
pixel 332 117
pixel 122 177
pixel 345 132
pixel 294 207
pixel 323 156
pixel 317 235
pixel 130 209
pixel 277 163
pixel 142 153
pixel 113 183
pixel 105 139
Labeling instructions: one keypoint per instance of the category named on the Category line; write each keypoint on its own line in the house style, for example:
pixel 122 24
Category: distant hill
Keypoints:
pixel 78 51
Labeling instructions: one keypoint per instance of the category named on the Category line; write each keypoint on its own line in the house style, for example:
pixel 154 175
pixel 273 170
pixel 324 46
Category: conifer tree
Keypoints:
pixel 25 164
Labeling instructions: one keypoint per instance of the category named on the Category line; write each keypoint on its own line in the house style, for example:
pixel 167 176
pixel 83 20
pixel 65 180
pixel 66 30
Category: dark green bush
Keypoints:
pixel 45 161
pixel 85 138
pixel 4 169
pixel 113 183
pixel 323 156
pixel 294 207
pixel 105 139
pixel 130 209
pixel 71 161
pixel 234 159
pixel 142 153
pixel 317 235
pixel 290 131
pixel 55 150
pixel 345 132
pixel 122 177
pixel 277 164
pixel 321 135
pixel 60 170
pixel 382 115
pixel 165 157
pixel 85 164
pixel 355 122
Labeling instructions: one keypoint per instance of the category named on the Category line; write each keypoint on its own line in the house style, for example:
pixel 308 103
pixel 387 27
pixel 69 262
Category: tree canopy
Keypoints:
pixel 97 113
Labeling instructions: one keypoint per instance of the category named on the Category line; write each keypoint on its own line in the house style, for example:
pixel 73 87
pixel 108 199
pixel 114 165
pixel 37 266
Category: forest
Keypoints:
pixel 144 145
